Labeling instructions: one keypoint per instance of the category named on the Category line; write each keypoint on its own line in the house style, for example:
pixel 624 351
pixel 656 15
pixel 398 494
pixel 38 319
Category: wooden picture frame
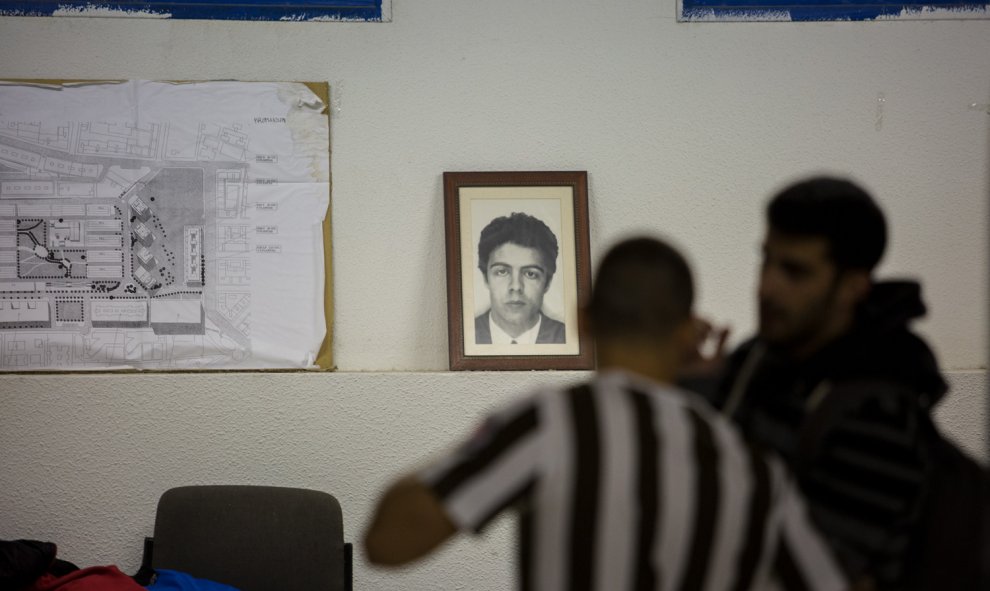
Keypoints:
pixel 522 312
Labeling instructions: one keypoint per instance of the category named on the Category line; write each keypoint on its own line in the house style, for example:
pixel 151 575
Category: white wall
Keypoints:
pixel 84 462
pixel 684 129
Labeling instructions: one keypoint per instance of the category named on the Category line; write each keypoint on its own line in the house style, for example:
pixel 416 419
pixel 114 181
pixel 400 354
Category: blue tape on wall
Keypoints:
pixel 829 10
pixel 295 10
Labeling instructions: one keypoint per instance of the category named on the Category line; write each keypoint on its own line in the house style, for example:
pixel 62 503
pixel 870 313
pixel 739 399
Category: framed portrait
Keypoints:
pixel 518 268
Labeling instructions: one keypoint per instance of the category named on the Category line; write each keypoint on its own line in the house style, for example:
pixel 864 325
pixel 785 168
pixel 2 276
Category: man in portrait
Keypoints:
pixel 517 256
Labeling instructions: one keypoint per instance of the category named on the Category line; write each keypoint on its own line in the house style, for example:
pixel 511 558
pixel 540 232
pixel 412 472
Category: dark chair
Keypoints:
pixel 254 538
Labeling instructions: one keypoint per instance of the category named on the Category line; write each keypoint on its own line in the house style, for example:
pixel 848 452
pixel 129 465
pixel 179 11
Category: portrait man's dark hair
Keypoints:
pixel 837 210
pixel 643 290
pixel 521 229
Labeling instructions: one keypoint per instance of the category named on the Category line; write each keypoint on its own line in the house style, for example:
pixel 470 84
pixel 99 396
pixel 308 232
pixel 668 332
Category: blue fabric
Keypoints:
pixel 170 580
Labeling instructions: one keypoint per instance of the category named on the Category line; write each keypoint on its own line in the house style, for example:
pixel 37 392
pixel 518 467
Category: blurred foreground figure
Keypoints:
pixel 840 387
pixel 625 482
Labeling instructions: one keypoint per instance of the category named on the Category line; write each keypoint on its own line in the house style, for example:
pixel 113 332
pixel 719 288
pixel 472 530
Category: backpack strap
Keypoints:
pixel 743 378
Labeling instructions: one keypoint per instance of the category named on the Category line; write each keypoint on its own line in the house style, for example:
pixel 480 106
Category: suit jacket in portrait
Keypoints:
pixel 551 331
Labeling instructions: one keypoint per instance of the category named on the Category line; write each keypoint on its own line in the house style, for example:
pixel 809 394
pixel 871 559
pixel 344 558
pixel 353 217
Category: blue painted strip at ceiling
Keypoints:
pixel 368 10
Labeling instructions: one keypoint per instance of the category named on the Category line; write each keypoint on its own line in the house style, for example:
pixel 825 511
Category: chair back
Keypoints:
pixel 254 538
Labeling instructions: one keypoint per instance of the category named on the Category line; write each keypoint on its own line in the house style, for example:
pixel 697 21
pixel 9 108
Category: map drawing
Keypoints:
pixel 150 225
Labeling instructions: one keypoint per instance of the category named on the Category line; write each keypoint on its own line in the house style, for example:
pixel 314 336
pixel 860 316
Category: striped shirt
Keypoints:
pixel 626 484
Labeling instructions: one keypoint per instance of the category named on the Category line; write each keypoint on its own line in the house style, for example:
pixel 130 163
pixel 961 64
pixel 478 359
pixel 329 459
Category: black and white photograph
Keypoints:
pixel 517 266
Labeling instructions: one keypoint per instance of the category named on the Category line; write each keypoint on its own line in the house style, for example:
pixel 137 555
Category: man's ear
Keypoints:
pixel 546 286
pixel 685 337
pixel 855 286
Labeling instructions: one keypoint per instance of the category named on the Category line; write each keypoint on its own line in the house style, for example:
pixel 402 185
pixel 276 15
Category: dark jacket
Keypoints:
pixel 851 423
pixel 22 562
pixel 551 331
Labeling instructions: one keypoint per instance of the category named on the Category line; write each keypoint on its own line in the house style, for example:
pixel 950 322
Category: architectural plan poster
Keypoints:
pixel 162 226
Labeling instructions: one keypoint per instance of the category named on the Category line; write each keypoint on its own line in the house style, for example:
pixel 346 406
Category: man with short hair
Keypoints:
pixel 622 483
pixel 517 256
pixel 837 384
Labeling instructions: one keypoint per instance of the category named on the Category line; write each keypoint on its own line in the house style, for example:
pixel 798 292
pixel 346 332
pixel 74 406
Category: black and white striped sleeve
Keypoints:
pixel 490 471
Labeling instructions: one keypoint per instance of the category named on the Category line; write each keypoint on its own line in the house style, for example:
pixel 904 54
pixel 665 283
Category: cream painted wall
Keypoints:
pixel 84 461
pixel 684 129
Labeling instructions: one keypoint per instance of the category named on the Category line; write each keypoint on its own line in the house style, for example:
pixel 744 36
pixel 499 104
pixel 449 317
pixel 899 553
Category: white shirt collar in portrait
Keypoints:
pixel 500 337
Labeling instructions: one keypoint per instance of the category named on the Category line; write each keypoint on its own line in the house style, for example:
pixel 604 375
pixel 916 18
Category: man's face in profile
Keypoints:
pixel 517 280
pixel 797 292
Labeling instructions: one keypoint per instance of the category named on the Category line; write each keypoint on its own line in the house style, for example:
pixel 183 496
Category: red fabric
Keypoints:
pixel 96 578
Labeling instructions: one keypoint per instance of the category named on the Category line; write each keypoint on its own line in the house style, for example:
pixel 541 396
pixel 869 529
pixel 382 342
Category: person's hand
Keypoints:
pixel 706 355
